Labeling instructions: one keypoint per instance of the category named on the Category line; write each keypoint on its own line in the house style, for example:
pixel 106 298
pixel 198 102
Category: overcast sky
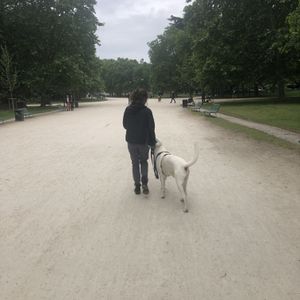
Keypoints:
pixel 130 24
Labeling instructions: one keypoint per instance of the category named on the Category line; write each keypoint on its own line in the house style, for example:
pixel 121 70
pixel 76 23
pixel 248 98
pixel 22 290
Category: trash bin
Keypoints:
pixel 19 114
pixel 184 103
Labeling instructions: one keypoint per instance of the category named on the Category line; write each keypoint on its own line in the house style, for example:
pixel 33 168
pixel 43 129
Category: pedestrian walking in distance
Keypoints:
pixel 173 97
pixel 140 134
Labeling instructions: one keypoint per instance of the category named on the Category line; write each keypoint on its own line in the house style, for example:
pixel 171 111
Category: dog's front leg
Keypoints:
pixel 162 185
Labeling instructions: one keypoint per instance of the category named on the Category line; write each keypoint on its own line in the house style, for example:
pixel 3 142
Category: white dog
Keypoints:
pixel 171 165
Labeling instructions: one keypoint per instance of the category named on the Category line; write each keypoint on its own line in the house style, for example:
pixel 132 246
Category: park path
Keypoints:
pixel 72 228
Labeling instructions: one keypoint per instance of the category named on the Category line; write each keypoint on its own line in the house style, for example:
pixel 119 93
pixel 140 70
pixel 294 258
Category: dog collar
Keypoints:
pixel 159 153
pixel 154 159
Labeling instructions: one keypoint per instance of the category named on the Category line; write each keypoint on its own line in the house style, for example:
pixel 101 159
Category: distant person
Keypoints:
pixel 173 97
pixel 72 102
pixel 140 134
pixel 159 96
pixel 68 102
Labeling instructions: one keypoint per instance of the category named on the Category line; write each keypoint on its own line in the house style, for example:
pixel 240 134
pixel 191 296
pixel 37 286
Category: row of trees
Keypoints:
pixel 121 76
pixel 47 50
pixel 229 46
pixel 51 45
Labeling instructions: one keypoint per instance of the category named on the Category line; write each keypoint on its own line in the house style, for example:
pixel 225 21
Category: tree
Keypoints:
pixel 229 45
pixel 294 28
pixel 45 37
pixel 293 45
pixel 163 58
pixel 123 75
pixel 8 74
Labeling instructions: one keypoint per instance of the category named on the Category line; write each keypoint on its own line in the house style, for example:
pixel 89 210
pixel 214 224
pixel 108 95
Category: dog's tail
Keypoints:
pixel 195 158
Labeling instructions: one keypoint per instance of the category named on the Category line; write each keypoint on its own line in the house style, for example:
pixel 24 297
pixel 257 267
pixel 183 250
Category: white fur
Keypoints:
pixel 171 165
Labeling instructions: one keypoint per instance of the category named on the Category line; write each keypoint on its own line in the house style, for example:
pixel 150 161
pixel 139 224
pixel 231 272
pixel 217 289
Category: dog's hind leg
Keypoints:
pixel 182 189
pixel 162 185
pixel 185 183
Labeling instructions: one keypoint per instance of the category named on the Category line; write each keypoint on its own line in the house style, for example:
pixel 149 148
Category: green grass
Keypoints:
pixel 282 114
pixel 292 93
pixel 253 133
pixel 6 114
pixel 38 109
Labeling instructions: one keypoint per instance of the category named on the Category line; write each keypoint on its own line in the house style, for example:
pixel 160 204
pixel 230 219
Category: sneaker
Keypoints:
pixel 145 189
pixel 137 189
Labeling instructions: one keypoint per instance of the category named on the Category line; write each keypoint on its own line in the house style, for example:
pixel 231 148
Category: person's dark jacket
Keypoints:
pixel 139 124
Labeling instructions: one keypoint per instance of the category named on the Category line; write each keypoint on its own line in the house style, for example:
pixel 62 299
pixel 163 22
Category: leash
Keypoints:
pixel 154 159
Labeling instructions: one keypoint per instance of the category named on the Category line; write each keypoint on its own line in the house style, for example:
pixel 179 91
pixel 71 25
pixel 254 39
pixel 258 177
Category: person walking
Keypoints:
pixel 140 134
pixel 173 97
pixel 68 102
pixel 159 96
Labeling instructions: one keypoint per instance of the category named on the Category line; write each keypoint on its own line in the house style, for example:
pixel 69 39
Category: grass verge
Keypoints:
pixel 6 114
pixel 283 114
pixel 253 133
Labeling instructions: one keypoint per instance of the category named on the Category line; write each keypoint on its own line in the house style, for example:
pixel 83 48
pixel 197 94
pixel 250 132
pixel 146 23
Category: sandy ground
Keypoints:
pixel 72 228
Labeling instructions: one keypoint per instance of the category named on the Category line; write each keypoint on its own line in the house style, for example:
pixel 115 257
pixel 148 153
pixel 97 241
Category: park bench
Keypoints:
pixel 26 113
pixel 197 106
pixel 22 113
pixel 188 102
pixel 211 110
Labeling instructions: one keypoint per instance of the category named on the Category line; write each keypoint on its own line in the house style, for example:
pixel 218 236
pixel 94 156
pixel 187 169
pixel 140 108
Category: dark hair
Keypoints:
pixel 139 97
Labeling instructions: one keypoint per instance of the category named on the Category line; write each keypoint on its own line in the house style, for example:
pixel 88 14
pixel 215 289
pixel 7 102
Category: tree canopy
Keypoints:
pixel 123 75
pixel 227 46
pixel 52 45
pixel 221 47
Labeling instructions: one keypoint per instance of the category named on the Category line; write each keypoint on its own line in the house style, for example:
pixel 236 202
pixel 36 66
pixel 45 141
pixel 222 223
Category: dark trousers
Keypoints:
pixel 139 155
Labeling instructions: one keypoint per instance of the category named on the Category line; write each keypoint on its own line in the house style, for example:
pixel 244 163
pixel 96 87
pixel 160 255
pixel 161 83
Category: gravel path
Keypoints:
pixel 72 228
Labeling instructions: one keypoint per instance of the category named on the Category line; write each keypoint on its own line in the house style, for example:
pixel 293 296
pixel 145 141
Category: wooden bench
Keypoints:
pixel 211 110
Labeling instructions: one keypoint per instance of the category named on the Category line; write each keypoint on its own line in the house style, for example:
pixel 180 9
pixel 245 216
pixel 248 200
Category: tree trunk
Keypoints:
pixel 243 91
pixel 203 96
pixel 256 94
pixel 44 100
pixel 280 86
pixel 279 70
pixel 12 101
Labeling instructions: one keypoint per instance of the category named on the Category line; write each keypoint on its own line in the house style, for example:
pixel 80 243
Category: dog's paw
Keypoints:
pixel 186 210
pixel 162 196
pixel 182 200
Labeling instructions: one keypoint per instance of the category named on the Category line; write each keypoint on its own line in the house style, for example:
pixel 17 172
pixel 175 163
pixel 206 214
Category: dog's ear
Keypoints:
pixel 158 143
